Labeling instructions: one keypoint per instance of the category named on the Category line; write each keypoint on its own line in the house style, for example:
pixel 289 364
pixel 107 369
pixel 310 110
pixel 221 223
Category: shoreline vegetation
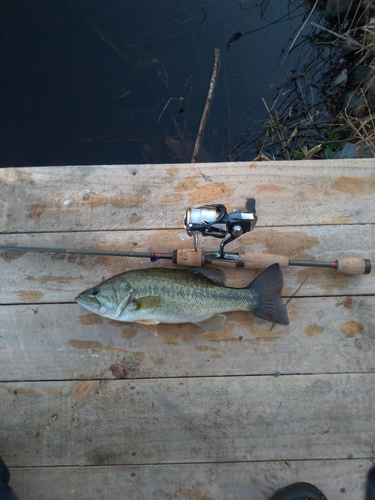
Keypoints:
pixel 326 108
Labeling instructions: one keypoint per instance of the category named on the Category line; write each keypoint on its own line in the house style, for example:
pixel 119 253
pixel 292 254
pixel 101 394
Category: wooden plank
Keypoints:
pixel 225 409
pixel 338 479
pixel 148 196
pixel 64 342
pixel 188 420
pixel 35 277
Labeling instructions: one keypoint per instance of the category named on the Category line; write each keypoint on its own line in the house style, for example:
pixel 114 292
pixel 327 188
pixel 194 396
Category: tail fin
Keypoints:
pixel 267 294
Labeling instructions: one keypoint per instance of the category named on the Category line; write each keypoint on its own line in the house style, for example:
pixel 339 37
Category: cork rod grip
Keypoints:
pixel 352 265
pixel 262 260
pixel 189 257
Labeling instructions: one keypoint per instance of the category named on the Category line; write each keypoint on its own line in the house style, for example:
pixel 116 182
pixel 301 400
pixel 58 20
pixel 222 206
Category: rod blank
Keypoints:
pixel 148 255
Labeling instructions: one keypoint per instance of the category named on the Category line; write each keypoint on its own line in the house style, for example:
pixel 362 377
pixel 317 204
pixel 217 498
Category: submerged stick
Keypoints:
pixel 206 107
pixel 300 30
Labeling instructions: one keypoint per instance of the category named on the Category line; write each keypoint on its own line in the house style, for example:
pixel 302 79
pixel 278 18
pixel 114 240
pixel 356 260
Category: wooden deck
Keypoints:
pixel 92 408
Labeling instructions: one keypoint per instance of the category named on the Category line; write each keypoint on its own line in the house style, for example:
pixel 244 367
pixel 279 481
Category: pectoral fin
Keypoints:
pixel 215 323
pixel 148 304
pixel 143 303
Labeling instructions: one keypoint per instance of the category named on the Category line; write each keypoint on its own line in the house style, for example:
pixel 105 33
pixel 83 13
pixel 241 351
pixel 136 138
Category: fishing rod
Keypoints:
pixel 215 221
pixel 193 258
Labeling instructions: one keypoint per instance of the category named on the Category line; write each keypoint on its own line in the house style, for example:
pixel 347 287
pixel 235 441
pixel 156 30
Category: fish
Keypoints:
pixel 160 295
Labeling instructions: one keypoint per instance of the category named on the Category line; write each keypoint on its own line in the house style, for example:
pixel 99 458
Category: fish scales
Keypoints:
pixel 161 295
pixel 191 294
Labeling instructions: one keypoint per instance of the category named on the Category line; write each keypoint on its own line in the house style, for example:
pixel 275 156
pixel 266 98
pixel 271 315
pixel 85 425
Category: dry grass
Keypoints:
pixel 329 101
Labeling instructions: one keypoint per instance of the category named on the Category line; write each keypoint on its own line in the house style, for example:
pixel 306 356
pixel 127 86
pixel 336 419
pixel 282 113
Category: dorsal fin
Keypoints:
pixel 213 273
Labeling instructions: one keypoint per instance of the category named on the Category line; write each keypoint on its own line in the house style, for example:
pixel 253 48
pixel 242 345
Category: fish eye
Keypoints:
pixel 94 291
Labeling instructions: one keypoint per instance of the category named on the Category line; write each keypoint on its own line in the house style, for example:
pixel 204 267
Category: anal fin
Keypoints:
pixel 215 323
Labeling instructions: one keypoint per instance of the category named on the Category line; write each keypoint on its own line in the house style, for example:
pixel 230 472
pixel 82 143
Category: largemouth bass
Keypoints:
pixel 161 295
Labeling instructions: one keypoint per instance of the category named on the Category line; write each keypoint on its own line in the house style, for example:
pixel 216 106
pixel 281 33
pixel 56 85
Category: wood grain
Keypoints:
pixel 188 420
pixel 92 408
pixel 64 341
pixel 90 198
pixel 338 479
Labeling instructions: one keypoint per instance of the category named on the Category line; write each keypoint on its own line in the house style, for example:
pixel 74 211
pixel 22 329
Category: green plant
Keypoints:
pixel 330 146
pixel 300 154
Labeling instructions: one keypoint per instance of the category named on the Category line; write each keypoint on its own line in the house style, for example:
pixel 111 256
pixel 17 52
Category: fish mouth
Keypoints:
pixel 92 304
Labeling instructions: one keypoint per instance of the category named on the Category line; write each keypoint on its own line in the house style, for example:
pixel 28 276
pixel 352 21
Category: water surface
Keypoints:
pixel 86 82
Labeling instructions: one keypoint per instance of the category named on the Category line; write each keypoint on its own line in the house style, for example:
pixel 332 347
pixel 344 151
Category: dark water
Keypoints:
pixel 86 82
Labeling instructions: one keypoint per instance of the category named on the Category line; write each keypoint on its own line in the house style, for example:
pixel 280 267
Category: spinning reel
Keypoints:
pixel 214 220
